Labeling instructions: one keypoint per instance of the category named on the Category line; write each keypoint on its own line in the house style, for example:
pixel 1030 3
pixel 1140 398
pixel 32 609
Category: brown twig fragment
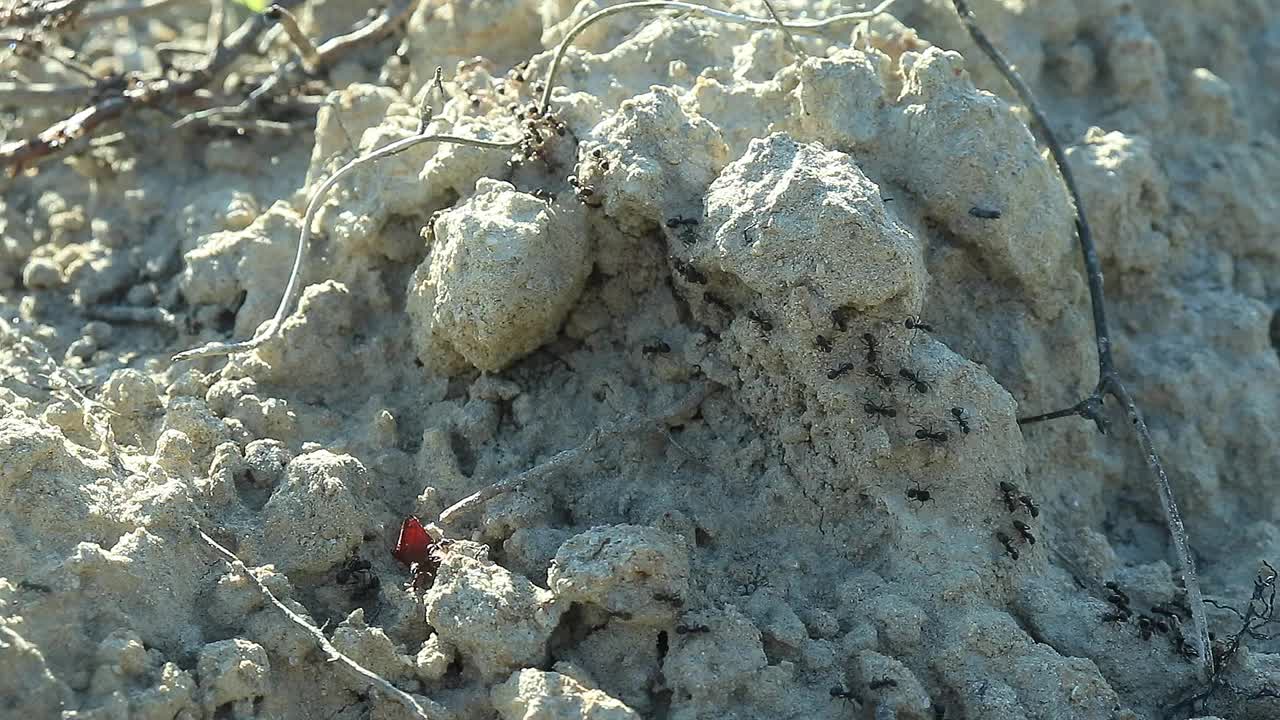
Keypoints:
pixel 82 125
pixel 306 49
pixel 293 73
pixel 375 680
pixel 32 14
pixel 629 425
pixel 1109 382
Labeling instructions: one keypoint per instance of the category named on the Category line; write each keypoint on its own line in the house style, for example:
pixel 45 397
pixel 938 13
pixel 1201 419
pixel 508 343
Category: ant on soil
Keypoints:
pixel 357 572
pixel 1030 505
pixel 715 300
pixel 678 221
pixel 920 495
pixel 1007 542
pixel 1014 497
pixel 657 348
pixel 846 695
pixel 984 213
pixel 875 372
pixel 683 629
pixel 761 321
pixel 914 380
pixel 958 414
pixel 1009 491
pixel 689 272
pixel 837 372
pixel 873 355
pixel 1145 626
pixel 882 683
pixel 1025 531
pixel 873 409
pixel 822 344
pixel 1115 617
pixel 913 322
pixel 927 433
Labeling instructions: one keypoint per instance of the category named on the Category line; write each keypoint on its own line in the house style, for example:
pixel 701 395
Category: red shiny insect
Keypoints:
pixel 414 548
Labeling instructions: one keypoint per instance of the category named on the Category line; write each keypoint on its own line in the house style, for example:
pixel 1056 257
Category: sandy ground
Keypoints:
pixel 708 222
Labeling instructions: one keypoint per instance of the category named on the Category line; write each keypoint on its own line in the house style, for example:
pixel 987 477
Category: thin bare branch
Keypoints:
pixel 630 425
pixel 31 14
pixel 307 52
pixel 791 39
pixel 376 681
pixel 84 123
pixel 1109 382
pixel 291 74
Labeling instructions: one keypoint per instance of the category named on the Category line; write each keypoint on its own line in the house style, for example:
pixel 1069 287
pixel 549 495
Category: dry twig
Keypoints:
pixel 629 425
pixel 1109 382
pixel 293 73
pixel 375 680
pixel 1257 615
pixel 147 93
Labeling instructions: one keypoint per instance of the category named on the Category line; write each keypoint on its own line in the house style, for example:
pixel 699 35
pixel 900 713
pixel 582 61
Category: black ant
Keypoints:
pixel 1025 531
pixel 1007 542
pixel 822 344
pixel 1118 597
pixel 919 495
pixel 689 272
pixel 678 221
pixel 1009 491
pixel 846 695
pixel 657 348
pixel 873 355
pixel 875 372
pixel 760 320
pixel 913 322
pixel 837 372
pixel 1144 627
pixel 1167 609
pixel 927 433
pixel 1118 617
pixel 1030 505
pixel 669 598
pixel 882 683
pixel 715 300
pixel 357 572
pixel 914 380
pixel 691 629
pixel 958 414
pixel 840 319
pixel 873 409
pixel 984 213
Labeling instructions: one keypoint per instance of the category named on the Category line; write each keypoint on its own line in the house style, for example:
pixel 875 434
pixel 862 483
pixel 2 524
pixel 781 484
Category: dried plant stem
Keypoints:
pixel 82 125
pixel 292 73
pixel 306 50
pixel 791 39
pixel 313 206
pixel 375 680
pixel 629 425
pixel 1109 382
pixel 787 27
